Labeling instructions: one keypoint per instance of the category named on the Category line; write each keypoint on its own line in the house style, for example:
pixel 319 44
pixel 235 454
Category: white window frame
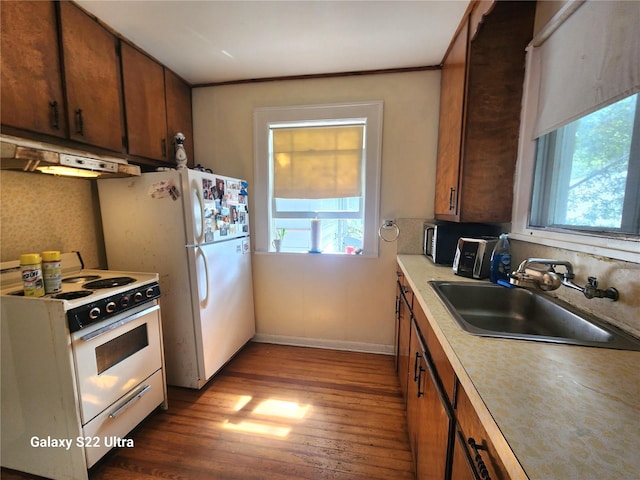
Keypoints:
pixel 370 112
pixel 621 247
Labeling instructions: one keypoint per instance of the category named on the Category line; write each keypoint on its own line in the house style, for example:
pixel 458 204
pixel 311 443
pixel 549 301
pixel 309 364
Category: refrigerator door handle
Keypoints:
pixel 198 211
pixel 204 299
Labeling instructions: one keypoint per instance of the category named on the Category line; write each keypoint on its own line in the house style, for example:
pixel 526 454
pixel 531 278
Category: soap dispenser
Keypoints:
pixel 500 260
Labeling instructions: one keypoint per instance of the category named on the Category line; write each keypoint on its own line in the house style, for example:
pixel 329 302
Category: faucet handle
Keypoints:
pixel 593 281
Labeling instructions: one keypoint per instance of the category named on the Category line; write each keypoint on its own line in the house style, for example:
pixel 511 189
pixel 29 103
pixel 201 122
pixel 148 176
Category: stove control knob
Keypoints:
pixel 124 301
pixel 111 307
pixel 149 292
pixel 94 313
pixel 137 297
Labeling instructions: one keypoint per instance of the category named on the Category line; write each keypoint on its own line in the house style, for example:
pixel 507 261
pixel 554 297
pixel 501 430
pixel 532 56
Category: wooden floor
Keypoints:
pixel 274 413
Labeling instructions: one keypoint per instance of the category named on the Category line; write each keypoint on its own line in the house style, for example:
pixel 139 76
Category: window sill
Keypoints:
pixel 626 250
pixel 320 254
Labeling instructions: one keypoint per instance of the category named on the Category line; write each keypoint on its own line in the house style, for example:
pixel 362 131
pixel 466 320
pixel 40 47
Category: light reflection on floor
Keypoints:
pixel 271 417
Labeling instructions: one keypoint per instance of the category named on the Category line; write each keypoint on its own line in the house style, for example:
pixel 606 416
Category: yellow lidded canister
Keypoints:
pixel 52 271
pixel 32 280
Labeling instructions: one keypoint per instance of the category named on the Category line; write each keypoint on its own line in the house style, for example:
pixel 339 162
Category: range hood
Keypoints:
pixel 29 156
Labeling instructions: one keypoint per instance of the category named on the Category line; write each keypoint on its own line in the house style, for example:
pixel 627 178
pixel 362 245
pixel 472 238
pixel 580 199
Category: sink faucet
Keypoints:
pixel 541 273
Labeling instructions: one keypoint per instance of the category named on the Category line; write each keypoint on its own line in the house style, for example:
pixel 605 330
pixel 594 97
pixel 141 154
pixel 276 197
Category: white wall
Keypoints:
pixel 334 301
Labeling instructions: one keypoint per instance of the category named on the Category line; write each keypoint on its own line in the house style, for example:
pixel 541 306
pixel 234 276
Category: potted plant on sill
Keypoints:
pixel 277 242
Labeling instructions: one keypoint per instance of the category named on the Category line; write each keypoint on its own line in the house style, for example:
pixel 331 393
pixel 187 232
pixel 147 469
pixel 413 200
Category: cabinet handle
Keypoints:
pixel 420 392
pixel 163 145
pixel 79 122
pixel 416 374
pixel 482 468
pixel 452 197
pixel 55 116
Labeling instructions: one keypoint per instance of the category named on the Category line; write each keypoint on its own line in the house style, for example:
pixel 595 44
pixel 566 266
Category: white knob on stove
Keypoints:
pixel 94 313
pixel 111 307
pixel 137 297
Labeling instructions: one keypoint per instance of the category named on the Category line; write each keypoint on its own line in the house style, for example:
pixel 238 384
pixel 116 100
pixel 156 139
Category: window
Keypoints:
pixel 587 172
pixel 321 168
pixel 578 172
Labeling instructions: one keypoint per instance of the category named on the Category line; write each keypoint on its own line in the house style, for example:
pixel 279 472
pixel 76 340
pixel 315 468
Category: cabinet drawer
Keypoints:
pixel 104 431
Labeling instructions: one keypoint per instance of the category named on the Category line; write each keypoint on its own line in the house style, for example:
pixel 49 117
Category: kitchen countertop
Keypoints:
pixel 552 411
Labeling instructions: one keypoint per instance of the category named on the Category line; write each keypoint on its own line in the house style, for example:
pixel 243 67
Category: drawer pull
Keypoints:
pixel 482 468
pixel 136 396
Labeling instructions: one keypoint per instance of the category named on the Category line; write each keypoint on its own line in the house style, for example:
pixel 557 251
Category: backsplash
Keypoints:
pixel 44 212
pixel 624 276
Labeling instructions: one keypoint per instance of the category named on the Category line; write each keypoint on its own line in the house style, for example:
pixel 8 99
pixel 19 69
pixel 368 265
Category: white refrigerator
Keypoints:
pixel 192 228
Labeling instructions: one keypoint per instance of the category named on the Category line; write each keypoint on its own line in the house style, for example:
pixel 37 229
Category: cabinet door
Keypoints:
pixel 452 96
pixel 415 393
pixel 472 428
pixel 92 78
pixel 179 118
pixel 462 465
pixel 145 104
pixel 31 91
pixel 428 419
pixel 404 336
pixel 433 439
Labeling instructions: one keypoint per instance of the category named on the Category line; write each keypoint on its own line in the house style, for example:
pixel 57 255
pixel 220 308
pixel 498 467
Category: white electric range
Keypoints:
pixel 80 368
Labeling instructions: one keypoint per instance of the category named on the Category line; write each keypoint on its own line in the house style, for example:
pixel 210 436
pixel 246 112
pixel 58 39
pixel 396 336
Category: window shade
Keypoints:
pixel 588 62
pixel 318 162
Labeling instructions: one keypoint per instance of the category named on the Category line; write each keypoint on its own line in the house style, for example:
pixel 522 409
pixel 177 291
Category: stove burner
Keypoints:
pixel 73 295
pixel 80 278
pixel 109 282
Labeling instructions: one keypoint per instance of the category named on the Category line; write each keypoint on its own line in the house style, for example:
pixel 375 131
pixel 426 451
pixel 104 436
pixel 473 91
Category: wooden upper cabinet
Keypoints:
pixel 489 118
pixel 92 78
pixel 31 93
pixel 145 106
pixel 452 91
pixel 179 116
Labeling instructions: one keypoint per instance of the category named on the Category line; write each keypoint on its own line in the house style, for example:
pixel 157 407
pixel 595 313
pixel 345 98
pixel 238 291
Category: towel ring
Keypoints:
pixel 389 225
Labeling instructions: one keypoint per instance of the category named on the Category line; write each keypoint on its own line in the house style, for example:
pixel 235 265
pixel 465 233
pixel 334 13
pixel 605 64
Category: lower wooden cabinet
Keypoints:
pixel 474 457
pixel 447 438
pixel 429 417
pixel 403 332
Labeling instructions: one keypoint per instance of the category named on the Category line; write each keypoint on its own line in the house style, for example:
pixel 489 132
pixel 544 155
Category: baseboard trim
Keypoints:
pixel 325 343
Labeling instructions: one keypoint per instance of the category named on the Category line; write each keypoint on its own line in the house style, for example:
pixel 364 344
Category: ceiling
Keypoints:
pixel 220 41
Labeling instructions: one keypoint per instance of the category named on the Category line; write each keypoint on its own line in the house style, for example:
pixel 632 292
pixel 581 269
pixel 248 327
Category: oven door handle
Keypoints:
pixel 135 396
pixel 114 325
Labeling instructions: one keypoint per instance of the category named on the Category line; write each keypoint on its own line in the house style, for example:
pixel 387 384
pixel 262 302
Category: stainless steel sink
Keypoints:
pixel 494 311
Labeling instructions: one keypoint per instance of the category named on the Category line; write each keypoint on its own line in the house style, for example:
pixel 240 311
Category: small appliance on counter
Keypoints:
pixel 441 238
pixel 473 257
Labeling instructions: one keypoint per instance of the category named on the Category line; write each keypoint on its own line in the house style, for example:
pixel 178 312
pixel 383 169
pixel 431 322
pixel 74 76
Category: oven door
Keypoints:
pixel 113 356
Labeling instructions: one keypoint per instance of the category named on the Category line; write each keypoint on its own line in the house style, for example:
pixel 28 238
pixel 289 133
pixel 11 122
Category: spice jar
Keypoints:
pixel 52 271
pixel 31 267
